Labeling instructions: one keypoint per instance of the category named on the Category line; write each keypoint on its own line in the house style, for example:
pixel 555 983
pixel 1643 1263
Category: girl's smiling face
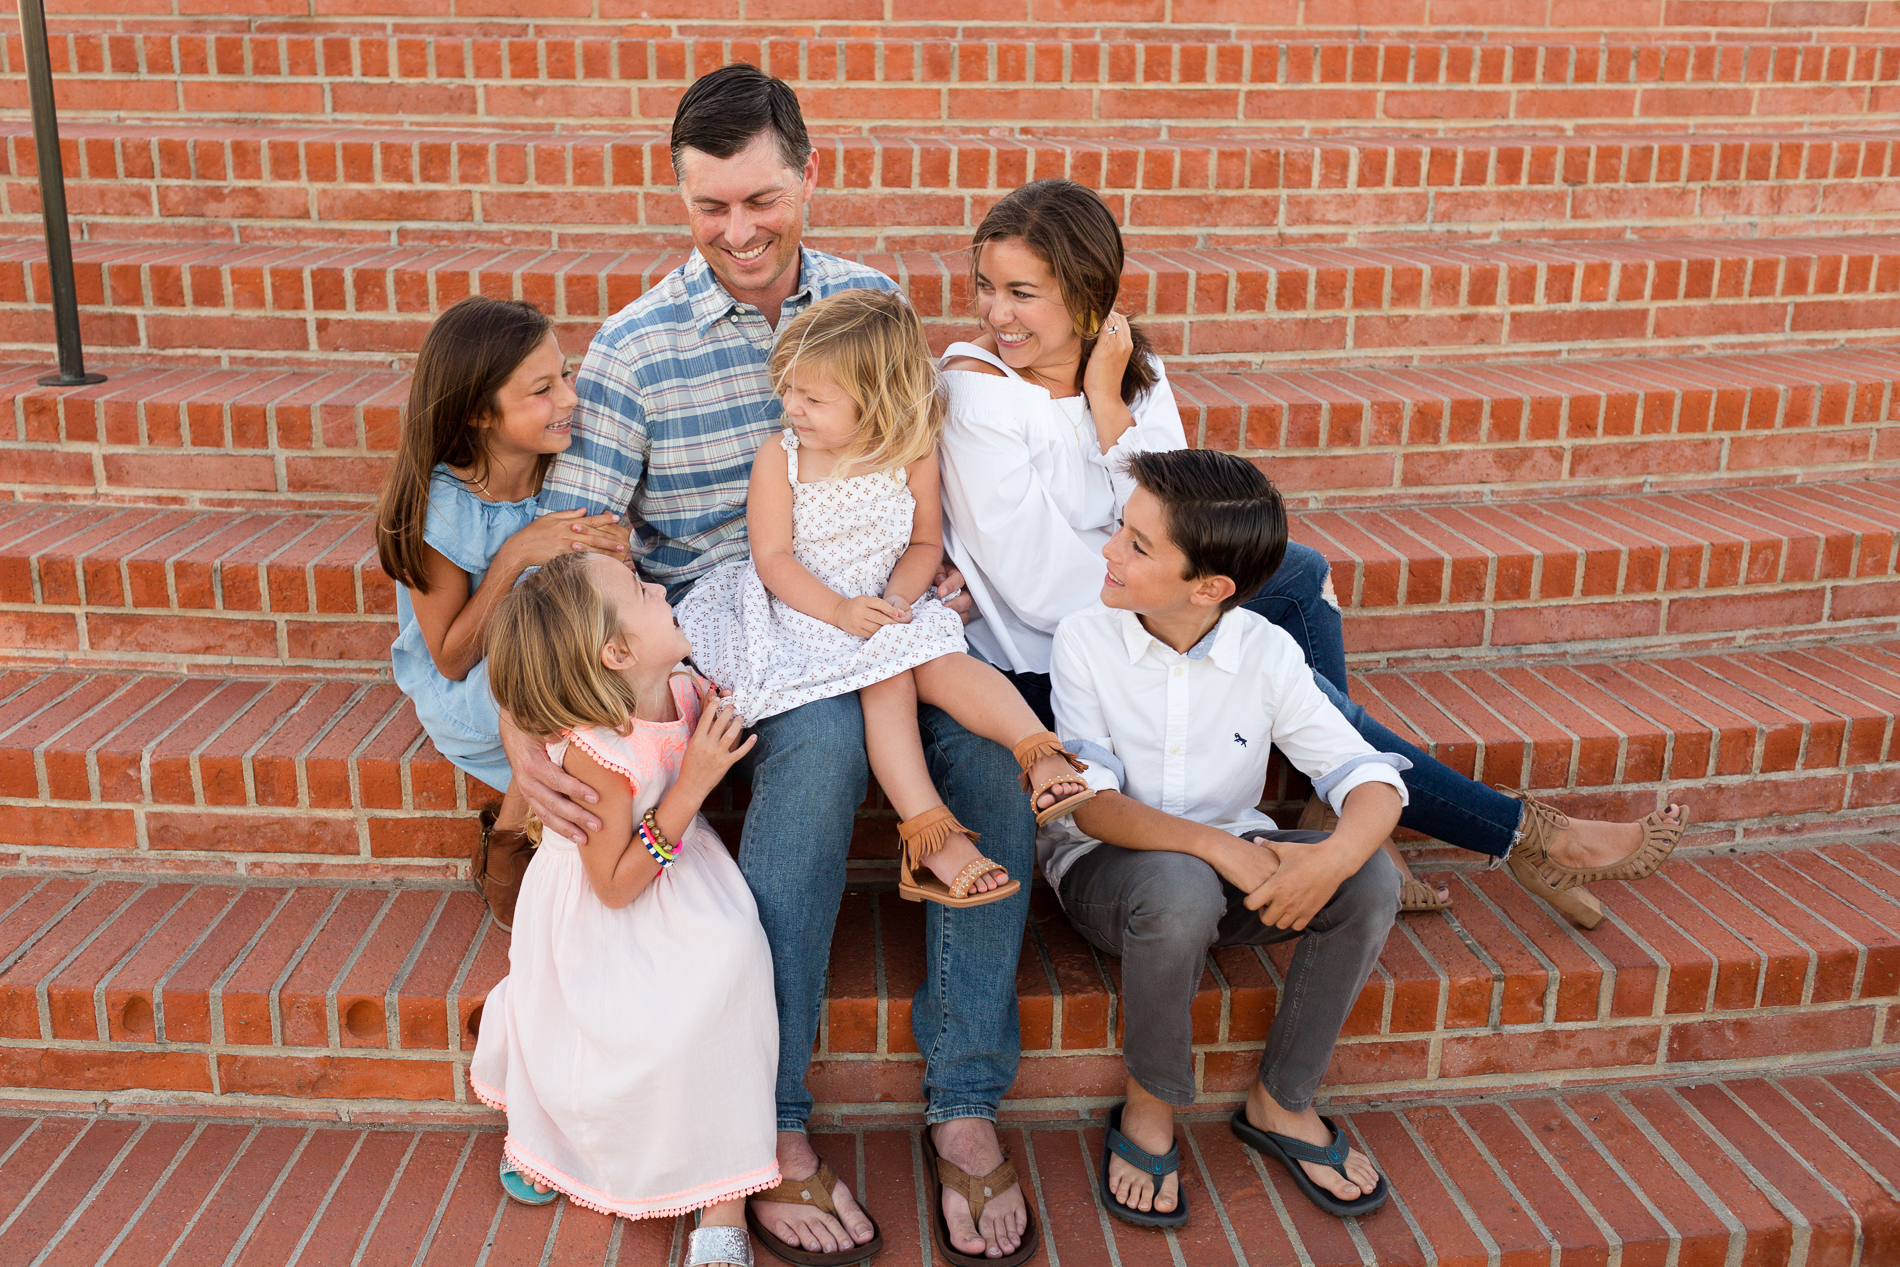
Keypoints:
pixel 821 412
pixel 535 407
pixel 1019 302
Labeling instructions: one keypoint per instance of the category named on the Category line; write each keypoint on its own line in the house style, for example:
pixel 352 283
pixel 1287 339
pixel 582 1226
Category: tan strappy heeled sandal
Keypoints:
pixel 923 836
pixel 1045 743
pixel 1561 887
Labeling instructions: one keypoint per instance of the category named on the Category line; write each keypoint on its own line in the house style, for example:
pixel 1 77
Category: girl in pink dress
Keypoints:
pixel 634 1041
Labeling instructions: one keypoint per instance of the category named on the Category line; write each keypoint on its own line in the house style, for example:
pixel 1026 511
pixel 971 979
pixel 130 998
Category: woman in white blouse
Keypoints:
pixel 1044 406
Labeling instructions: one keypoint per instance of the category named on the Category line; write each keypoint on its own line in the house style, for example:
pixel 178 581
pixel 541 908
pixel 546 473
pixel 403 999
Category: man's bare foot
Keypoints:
pixel 1149 1125
pixel 807 1225
pixel 969 1143
pixel 1265 1113
pixel 1587 843
pixel 1405 872
pixel 957 852
pixel 1054 767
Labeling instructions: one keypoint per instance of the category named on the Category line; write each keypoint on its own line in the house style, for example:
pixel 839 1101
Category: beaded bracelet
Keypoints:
pixel 658 847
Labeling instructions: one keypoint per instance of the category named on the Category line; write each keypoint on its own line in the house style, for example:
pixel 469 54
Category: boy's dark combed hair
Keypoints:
pixel 1222 513
pixel 725 109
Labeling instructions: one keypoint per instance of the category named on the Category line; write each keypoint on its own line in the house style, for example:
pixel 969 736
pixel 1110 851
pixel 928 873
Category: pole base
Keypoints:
pixel 74 380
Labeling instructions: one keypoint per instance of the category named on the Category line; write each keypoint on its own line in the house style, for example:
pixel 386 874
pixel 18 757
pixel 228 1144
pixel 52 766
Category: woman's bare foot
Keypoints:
pixel 1265 1113
pixel 1149 1125
pixel 969 1143
pixel 1587 843
pixel 1049 767
pixel 957 852
pixel 807 1225
pixel 1393 852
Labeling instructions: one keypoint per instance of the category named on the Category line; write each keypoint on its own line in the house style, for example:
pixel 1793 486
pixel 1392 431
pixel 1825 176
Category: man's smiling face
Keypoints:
pixel 747 213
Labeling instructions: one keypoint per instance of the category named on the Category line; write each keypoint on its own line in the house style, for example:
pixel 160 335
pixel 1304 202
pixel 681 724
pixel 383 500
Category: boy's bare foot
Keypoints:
pixel 957 852
pixel 1588 843
pixel 1393 852
pixel 1265 1113
pixel 807 1225
pixel 1054 767
pixel 1149 1125
pixel 969 1143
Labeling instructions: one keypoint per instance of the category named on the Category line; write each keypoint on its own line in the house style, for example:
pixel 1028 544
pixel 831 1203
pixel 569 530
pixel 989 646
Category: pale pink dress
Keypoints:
pixel 634 1050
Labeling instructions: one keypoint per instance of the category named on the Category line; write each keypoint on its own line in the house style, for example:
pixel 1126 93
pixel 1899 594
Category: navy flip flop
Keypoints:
pixel 1290 1152
pixel 1121 1146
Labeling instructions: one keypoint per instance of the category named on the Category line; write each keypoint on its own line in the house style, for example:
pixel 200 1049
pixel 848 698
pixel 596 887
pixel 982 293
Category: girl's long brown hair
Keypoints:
pixel 1070 229
pixel 468 354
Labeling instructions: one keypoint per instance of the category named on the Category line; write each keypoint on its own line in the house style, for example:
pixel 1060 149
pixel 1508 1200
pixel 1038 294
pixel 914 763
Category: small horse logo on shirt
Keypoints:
pixel 1239 739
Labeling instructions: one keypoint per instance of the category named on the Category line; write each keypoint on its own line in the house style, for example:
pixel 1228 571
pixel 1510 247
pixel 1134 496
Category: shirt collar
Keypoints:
pixel 712 303
pixel 1221 644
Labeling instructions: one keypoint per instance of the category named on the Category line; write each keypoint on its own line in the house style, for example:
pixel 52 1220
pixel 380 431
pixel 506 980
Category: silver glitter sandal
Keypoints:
pixel 719 1245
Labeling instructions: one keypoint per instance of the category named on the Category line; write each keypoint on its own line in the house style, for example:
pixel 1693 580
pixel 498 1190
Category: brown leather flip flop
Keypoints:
pixel 815 1191
pixel 978 1190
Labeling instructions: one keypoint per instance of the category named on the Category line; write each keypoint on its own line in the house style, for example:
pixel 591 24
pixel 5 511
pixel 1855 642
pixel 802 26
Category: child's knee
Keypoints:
pixel 1372 892
pixel 1178 899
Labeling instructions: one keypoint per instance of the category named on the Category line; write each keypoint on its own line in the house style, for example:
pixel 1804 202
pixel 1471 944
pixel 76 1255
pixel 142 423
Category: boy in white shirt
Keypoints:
pixel 1175 695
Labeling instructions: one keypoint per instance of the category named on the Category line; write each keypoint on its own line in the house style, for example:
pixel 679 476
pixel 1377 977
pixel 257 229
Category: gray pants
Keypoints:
pixel 1160 912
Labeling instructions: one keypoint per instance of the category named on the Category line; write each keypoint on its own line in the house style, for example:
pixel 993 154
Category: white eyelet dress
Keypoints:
pixel 635 1049
pixel 850 533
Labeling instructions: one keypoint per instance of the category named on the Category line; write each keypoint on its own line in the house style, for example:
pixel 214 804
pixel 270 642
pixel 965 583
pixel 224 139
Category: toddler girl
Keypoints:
pixel 456 526
pixel 634 1042
pixel 845 527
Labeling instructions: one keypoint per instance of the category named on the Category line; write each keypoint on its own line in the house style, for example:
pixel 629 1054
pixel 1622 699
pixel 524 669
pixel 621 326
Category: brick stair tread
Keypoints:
pixel 342 991
pixel 143 769
pixel 323 435
pixel 1291 304
pixel 1700 1168
pixel 367 183
pixel 303 589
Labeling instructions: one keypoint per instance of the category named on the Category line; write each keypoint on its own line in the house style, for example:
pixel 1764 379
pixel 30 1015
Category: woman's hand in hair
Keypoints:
pixel 564 531
pixel 1102 380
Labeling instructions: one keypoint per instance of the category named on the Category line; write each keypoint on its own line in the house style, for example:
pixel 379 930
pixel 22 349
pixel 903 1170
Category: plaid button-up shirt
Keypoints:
pixel 675 399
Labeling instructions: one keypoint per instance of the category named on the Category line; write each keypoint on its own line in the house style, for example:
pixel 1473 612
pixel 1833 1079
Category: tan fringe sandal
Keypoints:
pixel 1045 743
pixel 923 836
pixel 1561 887
pixel 1416 896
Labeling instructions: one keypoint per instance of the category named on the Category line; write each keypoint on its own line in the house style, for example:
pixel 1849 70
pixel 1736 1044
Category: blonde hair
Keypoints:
pixel 871 344
pixel 543 651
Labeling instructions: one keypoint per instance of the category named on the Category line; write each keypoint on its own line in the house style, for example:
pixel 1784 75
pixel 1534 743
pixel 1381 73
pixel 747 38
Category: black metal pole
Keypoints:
pixel 59 238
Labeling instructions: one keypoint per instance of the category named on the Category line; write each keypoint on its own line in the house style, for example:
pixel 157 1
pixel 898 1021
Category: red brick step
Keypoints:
pixel 1674 1170
pixel 1027 78
pixel 366 185
pixel 333 992
pixel 321 437
pixel 266 774
pixel 1249 308
pixel 178 589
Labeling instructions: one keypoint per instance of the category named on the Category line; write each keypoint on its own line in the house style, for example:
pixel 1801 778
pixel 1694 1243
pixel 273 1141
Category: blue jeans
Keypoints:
pixel 1444 804
pixel 808 774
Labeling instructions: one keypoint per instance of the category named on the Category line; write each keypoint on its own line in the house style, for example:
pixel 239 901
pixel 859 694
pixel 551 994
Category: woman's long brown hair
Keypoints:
pixel 468 354
pixel 1072 231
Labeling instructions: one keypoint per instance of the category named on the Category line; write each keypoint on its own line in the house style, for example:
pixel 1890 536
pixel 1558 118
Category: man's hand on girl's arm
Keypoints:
pixel 1309 875
pixel 553 792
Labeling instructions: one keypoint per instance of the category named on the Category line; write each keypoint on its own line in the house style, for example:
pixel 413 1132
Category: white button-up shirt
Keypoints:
pixel 1189 734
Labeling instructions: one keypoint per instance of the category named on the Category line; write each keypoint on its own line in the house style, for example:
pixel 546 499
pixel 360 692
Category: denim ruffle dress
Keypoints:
pixel 461 717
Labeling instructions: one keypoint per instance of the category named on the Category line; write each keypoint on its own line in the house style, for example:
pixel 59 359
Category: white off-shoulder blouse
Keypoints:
pixel 1030 499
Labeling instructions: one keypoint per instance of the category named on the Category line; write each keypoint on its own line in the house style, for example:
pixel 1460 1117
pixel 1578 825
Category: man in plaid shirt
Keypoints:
pixel 675 399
